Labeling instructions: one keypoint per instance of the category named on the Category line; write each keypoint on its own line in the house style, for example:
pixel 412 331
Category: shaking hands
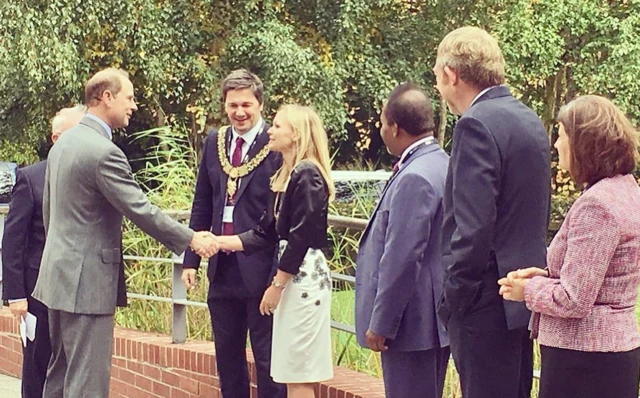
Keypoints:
pixel 204 243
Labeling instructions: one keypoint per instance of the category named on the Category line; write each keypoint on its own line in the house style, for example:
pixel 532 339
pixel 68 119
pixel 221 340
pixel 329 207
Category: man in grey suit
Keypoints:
pixel 23 243
pixel 88 188
pixel 399 268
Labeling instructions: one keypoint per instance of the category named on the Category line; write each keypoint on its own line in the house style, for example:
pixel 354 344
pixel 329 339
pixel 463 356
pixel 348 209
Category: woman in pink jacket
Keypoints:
pixel 583 303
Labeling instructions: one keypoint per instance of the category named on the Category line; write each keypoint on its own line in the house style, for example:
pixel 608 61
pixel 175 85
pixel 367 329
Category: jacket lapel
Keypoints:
pixel 420 152
pixel 261 140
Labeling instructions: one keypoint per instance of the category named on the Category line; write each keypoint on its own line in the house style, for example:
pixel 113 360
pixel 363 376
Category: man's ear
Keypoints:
pixel 107 97
pixel 451 75
pixel 394 130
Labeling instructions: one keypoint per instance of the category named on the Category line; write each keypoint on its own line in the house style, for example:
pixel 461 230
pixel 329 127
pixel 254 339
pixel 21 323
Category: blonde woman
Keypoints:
pixel 300 294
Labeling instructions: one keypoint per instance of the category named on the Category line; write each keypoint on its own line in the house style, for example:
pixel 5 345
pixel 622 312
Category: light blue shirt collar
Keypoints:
pixel 102 123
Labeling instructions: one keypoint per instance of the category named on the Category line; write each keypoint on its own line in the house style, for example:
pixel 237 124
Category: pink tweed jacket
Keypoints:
pixel 588 302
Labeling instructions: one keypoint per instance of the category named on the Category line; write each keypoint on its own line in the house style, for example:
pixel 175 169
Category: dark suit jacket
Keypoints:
pixel 302 219
pixel 23 240
pixel 497 202
pixel 400 273
pixel 253 197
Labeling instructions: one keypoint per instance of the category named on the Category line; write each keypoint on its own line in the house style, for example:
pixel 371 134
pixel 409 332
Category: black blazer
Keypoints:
pixel 23 239
pixel 253 197
pixel 301 220
pixel 496 202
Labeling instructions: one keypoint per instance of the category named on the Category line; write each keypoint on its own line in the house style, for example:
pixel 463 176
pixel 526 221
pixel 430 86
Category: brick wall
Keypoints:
pixel 147 365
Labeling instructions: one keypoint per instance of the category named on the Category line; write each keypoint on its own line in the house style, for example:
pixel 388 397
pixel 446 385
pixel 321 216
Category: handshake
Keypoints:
pixel 205 244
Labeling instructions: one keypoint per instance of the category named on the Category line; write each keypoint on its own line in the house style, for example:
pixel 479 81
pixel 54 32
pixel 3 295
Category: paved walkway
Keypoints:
pixel 9 387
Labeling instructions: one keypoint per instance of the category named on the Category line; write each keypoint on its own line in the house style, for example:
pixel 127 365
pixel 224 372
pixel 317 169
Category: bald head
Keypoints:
pixel 410 109
pixel 65 119
pixel 109 79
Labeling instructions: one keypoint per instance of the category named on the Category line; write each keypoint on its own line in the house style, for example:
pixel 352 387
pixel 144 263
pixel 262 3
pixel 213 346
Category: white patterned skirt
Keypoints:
pixel 301 350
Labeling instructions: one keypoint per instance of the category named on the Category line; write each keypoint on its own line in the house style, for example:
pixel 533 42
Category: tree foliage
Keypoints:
pixel 343 57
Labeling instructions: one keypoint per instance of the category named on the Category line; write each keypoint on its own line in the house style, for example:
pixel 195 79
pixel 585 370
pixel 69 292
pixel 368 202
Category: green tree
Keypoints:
pixel 343 57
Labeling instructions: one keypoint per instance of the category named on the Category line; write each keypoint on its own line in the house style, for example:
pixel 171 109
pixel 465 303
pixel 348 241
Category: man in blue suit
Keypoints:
pixel 22 246
pixel 399 268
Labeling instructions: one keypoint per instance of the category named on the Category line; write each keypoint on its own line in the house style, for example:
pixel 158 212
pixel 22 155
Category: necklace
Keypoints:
pixel 236 172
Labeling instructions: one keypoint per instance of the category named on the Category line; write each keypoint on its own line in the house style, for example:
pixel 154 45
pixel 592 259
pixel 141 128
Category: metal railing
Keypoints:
pixel 179 300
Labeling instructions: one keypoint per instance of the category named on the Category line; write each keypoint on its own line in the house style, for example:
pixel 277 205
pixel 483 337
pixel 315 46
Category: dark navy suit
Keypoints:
pixel 496 203
pixel 22 246
pixel 238 281
pixel 399 276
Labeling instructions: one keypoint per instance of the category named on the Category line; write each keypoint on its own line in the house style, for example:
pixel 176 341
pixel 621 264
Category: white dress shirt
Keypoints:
pixel 481 93
pixel 422 141
pixel 249 137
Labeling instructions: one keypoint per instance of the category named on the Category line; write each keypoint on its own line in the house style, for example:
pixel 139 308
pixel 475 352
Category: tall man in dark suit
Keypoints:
pixel 399 268
pixel 88 188
pixel 232 193
pixel 496 207
pixel 23 243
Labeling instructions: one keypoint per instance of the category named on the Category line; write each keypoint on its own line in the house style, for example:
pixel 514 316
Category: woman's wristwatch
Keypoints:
pixel 276 283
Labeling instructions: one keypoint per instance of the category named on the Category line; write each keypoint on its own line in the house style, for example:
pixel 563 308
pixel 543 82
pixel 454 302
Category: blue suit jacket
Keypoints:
pixel 399 272
pixel 23 240
pixel 496 202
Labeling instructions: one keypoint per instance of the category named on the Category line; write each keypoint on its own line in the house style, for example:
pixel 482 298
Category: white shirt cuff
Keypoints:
pixel 16 300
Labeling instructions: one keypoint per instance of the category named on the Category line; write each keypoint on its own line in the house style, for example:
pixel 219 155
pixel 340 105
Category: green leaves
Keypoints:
pixel 343 57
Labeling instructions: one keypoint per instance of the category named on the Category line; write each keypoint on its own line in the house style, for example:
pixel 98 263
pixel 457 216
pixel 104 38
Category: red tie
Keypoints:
pixel 236 160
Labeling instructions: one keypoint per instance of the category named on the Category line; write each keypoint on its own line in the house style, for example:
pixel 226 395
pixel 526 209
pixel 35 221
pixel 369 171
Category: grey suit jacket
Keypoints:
pixel 88 188
pixel 399 272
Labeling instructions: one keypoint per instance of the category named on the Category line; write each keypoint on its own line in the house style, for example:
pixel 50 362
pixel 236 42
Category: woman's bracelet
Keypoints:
pixel 278 284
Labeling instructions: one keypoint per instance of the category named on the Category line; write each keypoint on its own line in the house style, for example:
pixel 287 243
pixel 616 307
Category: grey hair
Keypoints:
pixel 58 121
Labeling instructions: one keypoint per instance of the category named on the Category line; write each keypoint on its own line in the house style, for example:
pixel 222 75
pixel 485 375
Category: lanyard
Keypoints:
pixel 427 141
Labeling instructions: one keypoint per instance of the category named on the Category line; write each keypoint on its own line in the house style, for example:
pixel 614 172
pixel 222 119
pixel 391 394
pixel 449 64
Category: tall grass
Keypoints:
pixel 169 179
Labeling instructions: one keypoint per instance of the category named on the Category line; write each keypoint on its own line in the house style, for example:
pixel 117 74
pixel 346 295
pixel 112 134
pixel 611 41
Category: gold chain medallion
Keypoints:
pixel 232 172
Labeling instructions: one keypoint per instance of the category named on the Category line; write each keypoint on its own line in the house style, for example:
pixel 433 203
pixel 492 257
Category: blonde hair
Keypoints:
pixel 474 55
pixel 313 145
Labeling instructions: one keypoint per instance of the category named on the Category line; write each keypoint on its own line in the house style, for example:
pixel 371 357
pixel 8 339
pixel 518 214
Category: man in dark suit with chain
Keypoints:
pixel 22 246
pixel 496 214
pixel 232 193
